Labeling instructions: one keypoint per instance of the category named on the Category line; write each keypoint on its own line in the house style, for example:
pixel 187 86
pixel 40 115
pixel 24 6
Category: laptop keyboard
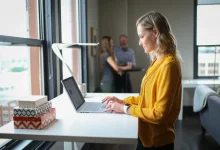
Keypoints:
pixel 92 106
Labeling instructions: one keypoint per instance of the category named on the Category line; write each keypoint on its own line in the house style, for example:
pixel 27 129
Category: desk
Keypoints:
pixel 193 84
pixel 80 127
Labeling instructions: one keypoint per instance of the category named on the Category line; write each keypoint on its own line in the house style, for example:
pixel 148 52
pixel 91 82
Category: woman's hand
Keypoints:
pixel 112 99
pixel 128 67
pixel 120 73
pixel 115 106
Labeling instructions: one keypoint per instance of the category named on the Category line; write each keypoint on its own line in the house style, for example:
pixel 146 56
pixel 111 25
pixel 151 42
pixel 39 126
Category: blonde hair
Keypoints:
pixel 166 41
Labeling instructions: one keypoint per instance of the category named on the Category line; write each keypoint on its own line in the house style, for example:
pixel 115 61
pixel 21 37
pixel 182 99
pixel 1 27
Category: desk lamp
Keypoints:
pixel 59 46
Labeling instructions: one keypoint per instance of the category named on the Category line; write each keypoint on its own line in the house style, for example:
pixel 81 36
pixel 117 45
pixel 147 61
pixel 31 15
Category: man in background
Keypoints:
pixel 124 56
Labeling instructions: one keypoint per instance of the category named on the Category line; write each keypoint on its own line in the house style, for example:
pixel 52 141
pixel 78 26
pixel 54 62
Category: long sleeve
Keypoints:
pixel 166 85
pixel 160 101
pixel 132 100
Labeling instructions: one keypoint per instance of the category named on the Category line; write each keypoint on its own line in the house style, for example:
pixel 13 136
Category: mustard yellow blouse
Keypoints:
pixel 158 104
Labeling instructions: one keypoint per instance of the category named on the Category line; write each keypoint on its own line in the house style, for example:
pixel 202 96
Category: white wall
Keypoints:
pixel 92 21
pixel 113 18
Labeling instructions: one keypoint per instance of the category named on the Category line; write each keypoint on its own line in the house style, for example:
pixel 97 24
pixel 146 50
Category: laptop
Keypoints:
pixel 77 99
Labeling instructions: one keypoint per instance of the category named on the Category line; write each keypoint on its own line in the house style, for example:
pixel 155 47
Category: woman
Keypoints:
pixel 158 104
pixel 108 66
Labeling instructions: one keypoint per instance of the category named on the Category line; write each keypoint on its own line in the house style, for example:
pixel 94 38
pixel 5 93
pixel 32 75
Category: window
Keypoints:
pixel 207 39
pixel 20 72
pixel 20 65
pixel 27 63
pixel 21 51
pixel 70 34
pixel 22 21
pixel 20 56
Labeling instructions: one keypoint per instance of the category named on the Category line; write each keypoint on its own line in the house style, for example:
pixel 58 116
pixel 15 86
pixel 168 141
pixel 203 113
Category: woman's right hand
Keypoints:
pixel 112 99
pixel 129 67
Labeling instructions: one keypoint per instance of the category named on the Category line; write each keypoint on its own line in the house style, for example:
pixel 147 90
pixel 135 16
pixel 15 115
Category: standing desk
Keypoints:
pixel 81 127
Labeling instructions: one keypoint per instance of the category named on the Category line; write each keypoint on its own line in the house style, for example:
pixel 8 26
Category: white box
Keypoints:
pixel 32 101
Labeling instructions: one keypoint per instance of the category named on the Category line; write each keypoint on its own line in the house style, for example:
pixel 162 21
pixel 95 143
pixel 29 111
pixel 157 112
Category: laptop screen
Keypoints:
pixel 73 92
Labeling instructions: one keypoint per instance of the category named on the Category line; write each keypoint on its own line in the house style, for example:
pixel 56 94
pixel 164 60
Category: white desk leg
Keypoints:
pixel 68 146
pixel 180 117
pixel 72 146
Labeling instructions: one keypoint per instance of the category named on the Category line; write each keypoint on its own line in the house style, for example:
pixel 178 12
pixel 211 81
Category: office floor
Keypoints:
pixel 188 137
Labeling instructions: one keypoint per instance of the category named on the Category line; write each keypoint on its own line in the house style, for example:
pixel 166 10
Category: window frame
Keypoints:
pixel 83 39
pixel 50 35
pixel 196 47
pixel 82 24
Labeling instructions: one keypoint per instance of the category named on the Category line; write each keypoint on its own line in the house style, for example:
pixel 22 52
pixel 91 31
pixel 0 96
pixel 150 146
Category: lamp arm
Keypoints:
pixel 56 47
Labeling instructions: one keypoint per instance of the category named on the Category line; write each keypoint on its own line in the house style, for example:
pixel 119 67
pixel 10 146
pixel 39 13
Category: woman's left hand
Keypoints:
pixel 120 73
pixel 114 106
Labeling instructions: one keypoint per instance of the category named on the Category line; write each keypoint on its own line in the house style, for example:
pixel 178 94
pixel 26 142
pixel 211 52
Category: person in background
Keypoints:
pixel 109 66
pixel 158 105
pixel 124 56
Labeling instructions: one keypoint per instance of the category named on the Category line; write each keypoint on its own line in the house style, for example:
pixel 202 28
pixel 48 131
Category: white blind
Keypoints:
pixel 208 24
